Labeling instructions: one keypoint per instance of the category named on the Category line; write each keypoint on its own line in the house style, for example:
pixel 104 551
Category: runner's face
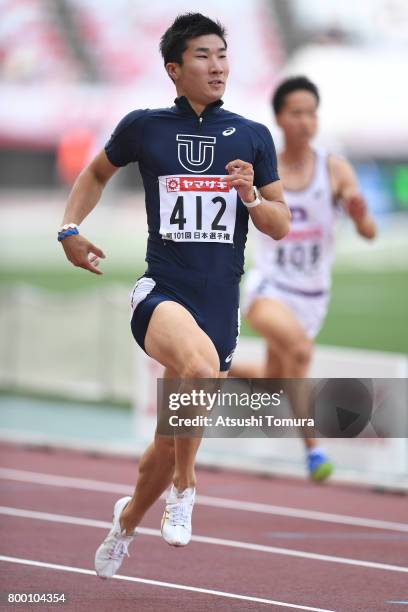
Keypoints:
pixel 203 74
pixel 298 117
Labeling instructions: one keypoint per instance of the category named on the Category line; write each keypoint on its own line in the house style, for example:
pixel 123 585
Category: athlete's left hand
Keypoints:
pixel 356 206
pixel 241 176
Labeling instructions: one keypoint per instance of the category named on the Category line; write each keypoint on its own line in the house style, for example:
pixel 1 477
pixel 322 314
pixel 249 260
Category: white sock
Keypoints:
pixel 317 450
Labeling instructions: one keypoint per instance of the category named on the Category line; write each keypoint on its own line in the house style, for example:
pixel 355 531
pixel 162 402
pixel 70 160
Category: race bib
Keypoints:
pixel 300 252
pixel 197 208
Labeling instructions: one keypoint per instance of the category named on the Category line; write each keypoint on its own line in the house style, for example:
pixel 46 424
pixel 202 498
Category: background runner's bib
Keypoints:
pixel 301 254
pixel 197 208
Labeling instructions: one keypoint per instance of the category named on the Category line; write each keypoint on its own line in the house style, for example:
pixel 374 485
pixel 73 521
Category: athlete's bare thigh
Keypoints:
pixel 276 323
pixel 175 340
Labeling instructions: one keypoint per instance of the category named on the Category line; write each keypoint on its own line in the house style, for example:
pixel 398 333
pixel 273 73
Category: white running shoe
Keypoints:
pixel 110 554
pixel 176 521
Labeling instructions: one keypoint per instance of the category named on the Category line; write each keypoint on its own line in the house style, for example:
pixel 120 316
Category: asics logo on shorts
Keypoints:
pixel 230 356
pixel 195 152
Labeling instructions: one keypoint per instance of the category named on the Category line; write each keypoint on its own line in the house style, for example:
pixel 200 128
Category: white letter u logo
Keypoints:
pixel 195 153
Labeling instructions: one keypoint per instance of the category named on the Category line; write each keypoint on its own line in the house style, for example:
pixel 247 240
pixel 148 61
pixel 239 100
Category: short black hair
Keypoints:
pixel 174 41
pixel 288 86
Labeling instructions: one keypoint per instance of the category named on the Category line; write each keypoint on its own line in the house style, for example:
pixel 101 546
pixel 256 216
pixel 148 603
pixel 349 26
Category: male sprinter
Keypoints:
pixel 199 164
pixel 287 291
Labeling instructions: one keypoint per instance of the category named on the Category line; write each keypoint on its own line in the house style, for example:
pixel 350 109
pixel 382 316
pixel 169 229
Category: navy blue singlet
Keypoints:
pixel 197 225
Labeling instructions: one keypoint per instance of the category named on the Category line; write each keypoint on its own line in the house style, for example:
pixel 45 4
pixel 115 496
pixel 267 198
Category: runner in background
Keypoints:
pixel 287 292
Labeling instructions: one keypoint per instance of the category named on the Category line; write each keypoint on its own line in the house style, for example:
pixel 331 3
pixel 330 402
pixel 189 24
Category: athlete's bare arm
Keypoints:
pixel 272 217
pixel 345 188
pixel 83 198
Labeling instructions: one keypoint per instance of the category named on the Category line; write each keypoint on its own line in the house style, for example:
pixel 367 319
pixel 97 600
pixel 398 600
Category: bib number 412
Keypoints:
pixel 178 218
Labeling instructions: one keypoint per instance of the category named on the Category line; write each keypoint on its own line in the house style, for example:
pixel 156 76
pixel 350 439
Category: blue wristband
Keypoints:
pixel 66 233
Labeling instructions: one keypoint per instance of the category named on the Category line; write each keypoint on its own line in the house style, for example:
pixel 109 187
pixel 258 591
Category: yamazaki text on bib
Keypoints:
pixel 197 208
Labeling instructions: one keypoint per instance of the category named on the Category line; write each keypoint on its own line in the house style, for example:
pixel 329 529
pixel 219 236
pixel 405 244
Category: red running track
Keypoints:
pixel 259 543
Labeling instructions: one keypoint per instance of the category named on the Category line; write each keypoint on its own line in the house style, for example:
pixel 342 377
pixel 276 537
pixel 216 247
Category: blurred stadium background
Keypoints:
pixel 69 70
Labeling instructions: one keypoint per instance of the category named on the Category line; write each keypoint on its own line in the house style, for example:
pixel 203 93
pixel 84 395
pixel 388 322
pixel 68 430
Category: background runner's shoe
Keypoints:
pixel 176 521
pixel 319 465
pixel 110 554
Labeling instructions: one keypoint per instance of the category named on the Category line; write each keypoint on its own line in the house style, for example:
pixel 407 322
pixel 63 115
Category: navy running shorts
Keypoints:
pixel 214 304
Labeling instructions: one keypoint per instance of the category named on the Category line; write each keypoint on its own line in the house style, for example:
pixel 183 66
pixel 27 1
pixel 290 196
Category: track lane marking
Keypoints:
pixel 168 585
pixel 205 500
pixel 74 520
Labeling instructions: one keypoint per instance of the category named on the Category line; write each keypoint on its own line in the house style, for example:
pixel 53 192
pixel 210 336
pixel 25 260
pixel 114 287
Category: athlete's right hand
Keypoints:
pixel 82 253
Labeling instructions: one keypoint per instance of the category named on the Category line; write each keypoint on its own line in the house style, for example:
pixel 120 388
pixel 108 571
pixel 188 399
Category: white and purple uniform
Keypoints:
pixel 297 270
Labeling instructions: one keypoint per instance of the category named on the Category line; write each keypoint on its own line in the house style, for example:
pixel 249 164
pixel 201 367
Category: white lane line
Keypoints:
pixel 288 552
pixel 205 500
pixel 159 583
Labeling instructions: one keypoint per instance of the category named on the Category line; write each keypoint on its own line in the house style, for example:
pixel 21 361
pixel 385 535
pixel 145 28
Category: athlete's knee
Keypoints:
pixel 300 352
pixel 273 367
pixel 200 366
